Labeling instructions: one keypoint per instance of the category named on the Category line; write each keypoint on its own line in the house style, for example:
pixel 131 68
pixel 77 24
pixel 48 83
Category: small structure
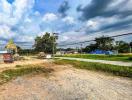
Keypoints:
pixel 71 52
pixel 11 46
pixel 6 56
pixel 60 52
pixel 102 52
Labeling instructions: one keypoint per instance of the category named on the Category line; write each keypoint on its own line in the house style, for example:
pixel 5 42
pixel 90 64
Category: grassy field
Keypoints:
pixel 125 58
pixel 113 69
pixel 10 74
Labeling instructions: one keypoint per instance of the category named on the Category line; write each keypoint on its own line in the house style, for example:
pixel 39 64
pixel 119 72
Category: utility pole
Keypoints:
pixel 55 36
pixel 130 47
pixel 81 48
pixel 53 45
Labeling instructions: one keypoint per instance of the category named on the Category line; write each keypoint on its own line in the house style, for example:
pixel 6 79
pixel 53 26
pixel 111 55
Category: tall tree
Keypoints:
pixel 122 47
pixel 90 48
pixel 104 43
pixel 45 43
pixel 131 44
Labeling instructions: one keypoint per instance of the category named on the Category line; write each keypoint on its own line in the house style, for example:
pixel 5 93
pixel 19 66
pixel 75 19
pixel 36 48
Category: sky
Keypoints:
pixel 74 20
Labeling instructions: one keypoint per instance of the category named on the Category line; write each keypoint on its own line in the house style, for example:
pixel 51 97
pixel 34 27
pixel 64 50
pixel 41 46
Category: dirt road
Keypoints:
pixel 68 83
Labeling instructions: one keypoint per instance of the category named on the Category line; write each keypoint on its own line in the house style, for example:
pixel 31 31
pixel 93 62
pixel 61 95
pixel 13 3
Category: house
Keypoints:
pixel 71 52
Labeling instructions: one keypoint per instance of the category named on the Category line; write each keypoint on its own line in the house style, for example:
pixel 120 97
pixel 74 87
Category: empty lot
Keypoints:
pixel 67 83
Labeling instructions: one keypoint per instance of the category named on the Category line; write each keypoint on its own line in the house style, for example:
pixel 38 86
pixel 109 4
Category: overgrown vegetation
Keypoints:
pixel 10 74
pixel 114 69
pixel 125 58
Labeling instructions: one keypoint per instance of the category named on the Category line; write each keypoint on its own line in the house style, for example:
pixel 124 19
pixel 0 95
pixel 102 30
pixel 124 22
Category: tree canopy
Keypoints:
pixel 45 43
pixel 104 43
pixel 108 43
pixel 122 46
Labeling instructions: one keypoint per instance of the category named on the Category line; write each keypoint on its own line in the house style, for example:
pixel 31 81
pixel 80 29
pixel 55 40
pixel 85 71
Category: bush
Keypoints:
pixel 130 58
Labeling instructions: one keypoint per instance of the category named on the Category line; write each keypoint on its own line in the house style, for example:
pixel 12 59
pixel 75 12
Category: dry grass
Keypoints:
pixel 21 70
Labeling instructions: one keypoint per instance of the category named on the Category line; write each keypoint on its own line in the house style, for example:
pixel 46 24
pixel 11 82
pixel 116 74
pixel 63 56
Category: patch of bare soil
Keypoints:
pixel 29 61
pixel 68 83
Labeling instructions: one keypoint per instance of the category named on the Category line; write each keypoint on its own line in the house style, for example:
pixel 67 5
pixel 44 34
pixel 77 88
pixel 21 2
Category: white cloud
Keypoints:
pixel 21 7
pixel 92 24
pixel 69 20
pixel 5 32
pixel 50 17
pixel 25 38
pixel 12 14
pixel 19 21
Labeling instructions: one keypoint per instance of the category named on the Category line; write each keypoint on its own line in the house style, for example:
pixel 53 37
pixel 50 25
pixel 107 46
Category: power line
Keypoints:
pixel 76 42
pixel 94 39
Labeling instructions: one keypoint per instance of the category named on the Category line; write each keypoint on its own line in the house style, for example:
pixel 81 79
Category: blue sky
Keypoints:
pixel 74 20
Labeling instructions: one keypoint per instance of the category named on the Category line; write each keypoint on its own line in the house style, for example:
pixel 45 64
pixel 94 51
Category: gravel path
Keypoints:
pixel 120 63
pixel 68 83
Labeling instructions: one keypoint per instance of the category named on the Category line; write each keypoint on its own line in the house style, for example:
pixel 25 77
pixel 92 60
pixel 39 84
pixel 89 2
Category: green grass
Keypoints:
pixel 10 74
pixel 125 58
pixel 113 69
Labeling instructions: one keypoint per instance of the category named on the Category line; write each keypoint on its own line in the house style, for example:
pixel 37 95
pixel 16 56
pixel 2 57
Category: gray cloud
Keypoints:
pixel 106 16
pixel 102 8
pixel 64 7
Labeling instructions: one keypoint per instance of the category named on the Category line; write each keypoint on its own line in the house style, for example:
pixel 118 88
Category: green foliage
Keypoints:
pixel 18 66
pixel 27 52
pixel 131 44
pixel 114 69
pixel 122 47
pixel 104 43
pixel 45 43
pixel 90 48
pixel 130 58
pixel 107 43
pixel 125 58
